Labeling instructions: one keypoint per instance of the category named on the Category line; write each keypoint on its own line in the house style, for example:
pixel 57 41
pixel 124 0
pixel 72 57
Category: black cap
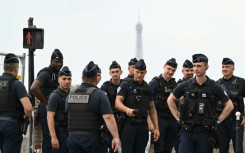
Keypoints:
pixel 98 68
pixel 11 58
pixel 65 71
pixel 133 61
pixel 90 70
pixel 114 64
pixel 199 58
pixel 187 64
pixel 172 62
pixel 227 61
pixel 57 55
pixel 140 65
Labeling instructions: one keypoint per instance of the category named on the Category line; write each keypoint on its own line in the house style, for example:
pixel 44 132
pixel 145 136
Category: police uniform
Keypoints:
pixel 56 103
pixel 110 90
pixel 134 134
pixel 235 88
pixel 161 89
pixel 85 109
pixel 11 110
pixel 187 64
pixel 198 111
pixel 48 77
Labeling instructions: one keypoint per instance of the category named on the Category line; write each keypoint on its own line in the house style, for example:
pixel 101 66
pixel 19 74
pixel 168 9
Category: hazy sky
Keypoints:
pixel 104 30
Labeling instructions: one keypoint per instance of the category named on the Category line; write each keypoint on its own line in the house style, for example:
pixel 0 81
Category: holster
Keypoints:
pixel 24 125
pixel 213 140
pixel 104 133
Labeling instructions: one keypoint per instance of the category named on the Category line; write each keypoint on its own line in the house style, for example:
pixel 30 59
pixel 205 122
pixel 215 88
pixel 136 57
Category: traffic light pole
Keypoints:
pixel 30 81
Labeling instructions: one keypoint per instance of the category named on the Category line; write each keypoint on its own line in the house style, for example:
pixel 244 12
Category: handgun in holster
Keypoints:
pixel 24 124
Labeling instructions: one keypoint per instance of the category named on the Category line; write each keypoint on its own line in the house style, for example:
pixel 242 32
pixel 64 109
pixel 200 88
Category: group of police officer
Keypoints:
pixel 193 115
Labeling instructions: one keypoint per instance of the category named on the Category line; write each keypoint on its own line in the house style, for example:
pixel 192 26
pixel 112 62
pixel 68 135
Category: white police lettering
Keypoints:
pixel 118 89
pixel 74 98
pixel 4 85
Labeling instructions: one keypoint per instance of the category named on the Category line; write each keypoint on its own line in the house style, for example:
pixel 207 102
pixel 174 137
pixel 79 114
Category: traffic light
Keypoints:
pixel 33 38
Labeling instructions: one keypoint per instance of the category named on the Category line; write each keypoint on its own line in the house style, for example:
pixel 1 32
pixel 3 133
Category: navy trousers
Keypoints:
pixel 85 144
pixel 194 142
pixel 134 137
pixel 42 116
pixel 168 136
pixel 227 132
pixel 10 137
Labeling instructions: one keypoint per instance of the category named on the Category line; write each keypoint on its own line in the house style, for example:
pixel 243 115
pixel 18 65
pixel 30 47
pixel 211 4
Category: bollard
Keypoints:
pixel 238 132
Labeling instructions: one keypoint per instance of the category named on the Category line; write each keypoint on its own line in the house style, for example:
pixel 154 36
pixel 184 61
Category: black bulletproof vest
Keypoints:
pixel 138 98
pixel 199 105
pixel 160 98
pixel 111 91
pixel 81 116
pixel 61 116
pixel 49 87
pixel 234 94
pixel 8 101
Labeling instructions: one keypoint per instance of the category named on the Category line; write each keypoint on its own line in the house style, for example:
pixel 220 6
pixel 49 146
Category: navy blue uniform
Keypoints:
pixel 227 128
pixel 166 121
pixel 129 77
pixel 196 139
pixel 111 91
pixel 181 80
pixel 85 140
pixel 49 81
pixel 134 134
pixel 56 103
pixel 10 126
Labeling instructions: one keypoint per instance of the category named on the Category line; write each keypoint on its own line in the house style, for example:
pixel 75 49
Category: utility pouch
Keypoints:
pixel 183 109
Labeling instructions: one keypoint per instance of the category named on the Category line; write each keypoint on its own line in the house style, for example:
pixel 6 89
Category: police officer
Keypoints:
pixel 14 103
pixel 56 115
pixel 135 100
pixel 110 88
pixel 161 87
pixel 197 113
pixel 235 88
pixel 131 68
pixel 45 83
pixel 88 109
pixel 99 77
pixel 187 71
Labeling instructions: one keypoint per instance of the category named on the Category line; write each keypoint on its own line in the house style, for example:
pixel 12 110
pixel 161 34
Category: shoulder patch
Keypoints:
pixel 118 89
pixel 225 93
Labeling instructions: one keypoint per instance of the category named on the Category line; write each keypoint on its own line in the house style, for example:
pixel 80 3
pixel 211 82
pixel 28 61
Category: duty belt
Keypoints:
pixel 187 127
pixel 85 133
pixel 7 118
pixel 136 120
